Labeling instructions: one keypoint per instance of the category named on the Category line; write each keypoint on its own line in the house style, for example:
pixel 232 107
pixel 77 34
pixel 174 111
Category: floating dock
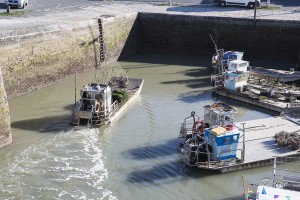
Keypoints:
pixel 260 147
pixel 266 103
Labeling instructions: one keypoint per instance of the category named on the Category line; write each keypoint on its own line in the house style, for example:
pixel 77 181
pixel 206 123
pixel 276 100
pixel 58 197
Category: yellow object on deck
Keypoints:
pixel 218 131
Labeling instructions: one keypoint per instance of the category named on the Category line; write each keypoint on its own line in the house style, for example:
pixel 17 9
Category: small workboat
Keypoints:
pixel 102 103
pixel 211 141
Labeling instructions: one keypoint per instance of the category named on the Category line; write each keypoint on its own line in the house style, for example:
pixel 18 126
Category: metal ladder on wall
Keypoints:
pixel 101 41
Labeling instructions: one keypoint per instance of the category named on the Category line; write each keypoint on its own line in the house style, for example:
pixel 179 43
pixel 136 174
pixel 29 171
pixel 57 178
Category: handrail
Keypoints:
pixel 209 161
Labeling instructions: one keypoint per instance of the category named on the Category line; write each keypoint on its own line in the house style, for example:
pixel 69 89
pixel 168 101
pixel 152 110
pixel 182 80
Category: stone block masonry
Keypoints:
pixel 34 58
pixel 5 130
pixel 38 58
pixel 186 34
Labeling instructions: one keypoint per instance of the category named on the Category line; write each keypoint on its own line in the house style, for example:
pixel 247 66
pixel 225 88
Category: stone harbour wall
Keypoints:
pixel 186 34
pixel 34 58
pixel 5 130
pixel 31 61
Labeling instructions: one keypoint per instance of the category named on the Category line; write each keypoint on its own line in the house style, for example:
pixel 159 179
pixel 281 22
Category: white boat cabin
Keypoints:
pixel 219 114
pixel 96 97
pixel 238 66
pixel 95 103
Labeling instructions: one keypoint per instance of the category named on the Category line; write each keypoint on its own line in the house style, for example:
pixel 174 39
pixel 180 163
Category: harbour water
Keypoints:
pixel 134 157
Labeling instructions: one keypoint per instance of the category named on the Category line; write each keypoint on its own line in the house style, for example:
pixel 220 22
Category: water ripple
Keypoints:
pixel 69 166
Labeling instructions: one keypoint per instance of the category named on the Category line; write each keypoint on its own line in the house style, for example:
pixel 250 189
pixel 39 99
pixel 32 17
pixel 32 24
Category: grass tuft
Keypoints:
pixel 16 13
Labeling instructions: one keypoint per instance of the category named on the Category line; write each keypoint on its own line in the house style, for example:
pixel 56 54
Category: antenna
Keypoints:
pixel 212 39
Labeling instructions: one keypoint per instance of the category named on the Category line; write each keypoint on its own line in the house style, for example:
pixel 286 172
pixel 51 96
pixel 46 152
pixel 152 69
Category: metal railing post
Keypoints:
pixel 243 153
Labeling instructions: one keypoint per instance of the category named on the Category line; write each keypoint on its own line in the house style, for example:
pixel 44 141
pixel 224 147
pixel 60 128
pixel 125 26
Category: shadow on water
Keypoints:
pixel 46 124
pixel 168 172
pixel 53 124
pixel 149 152
pixel 199 72
pixel 202 75
pixel 195 96
pixel 167 59
pixel 191 83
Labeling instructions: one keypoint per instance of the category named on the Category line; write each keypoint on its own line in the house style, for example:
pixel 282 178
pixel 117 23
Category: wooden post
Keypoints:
pixel 8 9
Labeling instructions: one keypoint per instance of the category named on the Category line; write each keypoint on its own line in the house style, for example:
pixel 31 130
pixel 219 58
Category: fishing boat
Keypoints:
pixel 234 78
pixel 216 142
pixel 209 141
pixel 102 103
pixel 221 59
pixel 284 185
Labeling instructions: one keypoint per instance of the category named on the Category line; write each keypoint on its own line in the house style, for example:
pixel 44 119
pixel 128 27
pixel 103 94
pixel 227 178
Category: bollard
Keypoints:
pixel 8 9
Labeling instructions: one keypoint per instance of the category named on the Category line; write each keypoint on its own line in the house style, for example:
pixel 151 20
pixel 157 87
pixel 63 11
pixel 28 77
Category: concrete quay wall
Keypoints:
pixel 40 57
pixel 33 58
pixel 186 34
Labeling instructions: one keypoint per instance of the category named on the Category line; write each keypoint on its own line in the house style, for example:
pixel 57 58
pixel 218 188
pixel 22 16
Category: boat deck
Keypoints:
pixel 260 146
pixel 133 89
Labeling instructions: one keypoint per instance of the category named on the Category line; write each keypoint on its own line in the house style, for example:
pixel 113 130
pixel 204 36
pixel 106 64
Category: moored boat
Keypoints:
pixel 215 142
pixel 212 140
pixel 102 103
pixel 284 185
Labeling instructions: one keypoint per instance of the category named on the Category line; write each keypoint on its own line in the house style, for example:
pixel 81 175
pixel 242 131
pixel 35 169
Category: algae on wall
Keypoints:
pixel 5 129
pixel 121 36
pixel 42 59
pixel 36 59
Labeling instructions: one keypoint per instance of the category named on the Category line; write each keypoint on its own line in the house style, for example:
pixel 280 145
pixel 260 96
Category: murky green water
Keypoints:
pixel 135 157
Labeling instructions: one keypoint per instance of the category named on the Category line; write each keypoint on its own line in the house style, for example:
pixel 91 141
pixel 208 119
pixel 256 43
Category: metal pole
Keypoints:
pixel 243 154
pixel 255 12
pixel 193 115
pixel 274 171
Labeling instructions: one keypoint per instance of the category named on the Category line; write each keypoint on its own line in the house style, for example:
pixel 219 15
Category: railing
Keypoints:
pixel 286 177
pixel 189 155
pixel 283 178
pixel 112 109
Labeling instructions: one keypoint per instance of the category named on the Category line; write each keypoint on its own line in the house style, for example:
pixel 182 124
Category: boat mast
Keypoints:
pixel 218 66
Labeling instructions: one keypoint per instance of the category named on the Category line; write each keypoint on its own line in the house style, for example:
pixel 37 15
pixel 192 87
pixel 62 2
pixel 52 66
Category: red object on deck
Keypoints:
pixel 229 127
